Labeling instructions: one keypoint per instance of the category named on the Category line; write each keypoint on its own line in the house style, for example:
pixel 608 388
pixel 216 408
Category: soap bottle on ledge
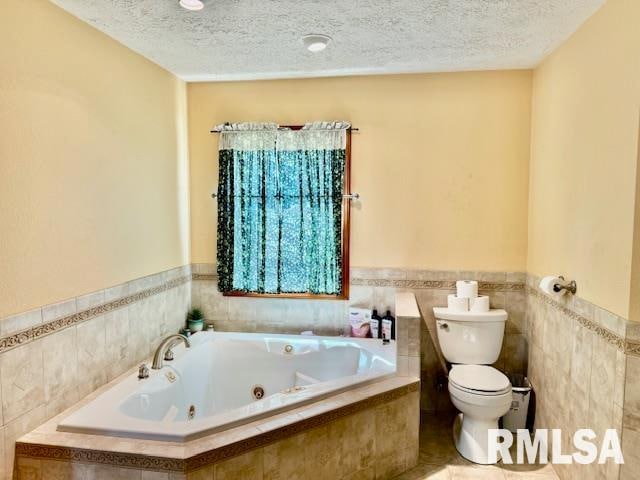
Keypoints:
pixel 389 326
pixel 375 324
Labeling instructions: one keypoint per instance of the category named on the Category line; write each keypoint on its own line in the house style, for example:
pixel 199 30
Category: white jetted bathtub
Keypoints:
pixel 214 385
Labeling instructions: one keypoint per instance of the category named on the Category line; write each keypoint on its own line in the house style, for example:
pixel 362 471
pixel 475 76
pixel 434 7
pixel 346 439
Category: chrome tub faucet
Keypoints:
pixel 164 350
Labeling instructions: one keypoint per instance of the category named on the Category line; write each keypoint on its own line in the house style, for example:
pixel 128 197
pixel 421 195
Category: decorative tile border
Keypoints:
pixel 25 336
pixel 204 277
pixel 406 283
pixel 126 460
pixel 435 284
pixel 129 460
pixel 628 347
pixel 632 348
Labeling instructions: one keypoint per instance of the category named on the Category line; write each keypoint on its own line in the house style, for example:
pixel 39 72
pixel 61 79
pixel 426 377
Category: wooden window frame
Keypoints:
pixel 345 238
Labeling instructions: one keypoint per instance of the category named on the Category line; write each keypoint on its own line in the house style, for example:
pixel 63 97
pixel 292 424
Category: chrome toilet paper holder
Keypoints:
pixel 570 287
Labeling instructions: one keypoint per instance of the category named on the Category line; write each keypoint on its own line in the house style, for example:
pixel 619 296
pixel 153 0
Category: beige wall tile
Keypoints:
pixel 58 310
pixel 631 452
pixel 17 428
pixel 603 373
pixel 28 469
pixel 116 292
pixel 85 302
pixel 581 355
pixel 177 306
pixel 354 440
pixel 20 322
pixel 92 355
pixel 537 318
pixel 22 378
pixel 364 474
pixel 247 466
pixel 610 321
pixel 62 401
pixel 516 306
pixel 557 339
pixel 321 455
pixel 205 473
pixel 515 352
pixel 146 475
pixel 59 470
pixel 214 305
pixel 119 356
pixel 60 362
pixel 104 472
pixel 619 380
pixel 283 459
pixel 391 425
pixel 144 322
pixel 632 386
pixel 536 367
pixel 4 468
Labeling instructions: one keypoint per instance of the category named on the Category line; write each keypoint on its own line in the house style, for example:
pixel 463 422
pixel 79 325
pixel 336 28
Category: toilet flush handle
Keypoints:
pixel 443 325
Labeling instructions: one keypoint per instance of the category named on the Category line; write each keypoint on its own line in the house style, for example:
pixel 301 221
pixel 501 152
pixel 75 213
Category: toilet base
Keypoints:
pixel 471 439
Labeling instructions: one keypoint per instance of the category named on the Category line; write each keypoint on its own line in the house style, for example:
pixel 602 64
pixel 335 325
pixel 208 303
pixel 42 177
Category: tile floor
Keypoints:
pixel 439 459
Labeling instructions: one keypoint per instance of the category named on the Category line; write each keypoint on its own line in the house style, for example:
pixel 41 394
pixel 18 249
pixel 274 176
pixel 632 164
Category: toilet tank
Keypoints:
pixel 469 337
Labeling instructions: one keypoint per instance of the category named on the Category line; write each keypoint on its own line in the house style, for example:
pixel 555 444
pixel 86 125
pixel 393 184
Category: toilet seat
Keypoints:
pixel 480 380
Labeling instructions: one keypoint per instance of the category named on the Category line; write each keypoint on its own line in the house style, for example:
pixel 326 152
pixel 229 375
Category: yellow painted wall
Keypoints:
pixel 441 161
pixel 93 183
pixel 586 105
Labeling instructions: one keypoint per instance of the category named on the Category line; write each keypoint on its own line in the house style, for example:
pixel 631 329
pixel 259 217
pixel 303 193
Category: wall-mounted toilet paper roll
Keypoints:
pixel 467 288
pixel 547 283
pixel 479 304
pixel 457 304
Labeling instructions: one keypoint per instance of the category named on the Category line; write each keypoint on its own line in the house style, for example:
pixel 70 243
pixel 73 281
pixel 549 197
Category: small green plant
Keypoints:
pixel 195 315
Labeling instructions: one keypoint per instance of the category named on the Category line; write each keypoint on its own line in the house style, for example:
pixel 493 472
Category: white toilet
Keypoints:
pixel 472 341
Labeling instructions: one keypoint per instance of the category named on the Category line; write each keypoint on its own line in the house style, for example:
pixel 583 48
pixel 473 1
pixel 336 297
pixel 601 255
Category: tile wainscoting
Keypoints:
pixel 585 369
pixel 52 357
pixel 366 433
pixel 375 288
pixel 582 360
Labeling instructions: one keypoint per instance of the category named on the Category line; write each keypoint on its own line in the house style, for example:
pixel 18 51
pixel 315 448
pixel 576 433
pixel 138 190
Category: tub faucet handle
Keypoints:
pixel 143 371
pixel 168 355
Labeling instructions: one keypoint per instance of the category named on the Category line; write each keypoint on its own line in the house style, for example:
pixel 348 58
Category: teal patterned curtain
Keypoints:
pixel 280 208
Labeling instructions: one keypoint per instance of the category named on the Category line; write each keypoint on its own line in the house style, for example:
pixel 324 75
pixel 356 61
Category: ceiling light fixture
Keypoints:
pixel 192 4
pixel 316 42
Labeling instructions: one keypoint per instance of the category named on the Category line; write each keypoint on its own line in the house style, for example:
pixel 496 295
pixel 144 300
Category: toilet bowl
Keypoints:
pixel 483 395
pixel 471 341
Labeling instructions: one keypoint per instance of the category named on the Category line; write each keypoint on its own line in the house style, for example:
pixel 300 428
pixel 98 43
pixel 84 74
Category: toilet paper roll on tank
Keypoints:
pixel 467 299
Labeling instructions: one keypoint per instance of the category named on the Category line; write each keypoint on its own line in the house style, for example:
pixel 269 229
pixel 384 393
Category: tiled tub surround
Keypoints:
pixel 376 287
pixel 52 357
pixel 584 365
pixel 369 432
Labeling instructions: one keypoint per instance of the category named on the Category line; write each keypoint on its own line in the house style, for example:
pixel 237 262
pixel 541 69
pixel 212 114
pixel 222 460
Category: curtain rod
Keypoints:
pixel 348 196
pixel 284 128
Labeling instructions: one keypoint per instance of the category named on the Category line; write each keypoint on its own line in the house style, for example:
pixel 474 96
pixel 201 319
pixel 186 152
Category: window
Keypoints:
pixel 283 224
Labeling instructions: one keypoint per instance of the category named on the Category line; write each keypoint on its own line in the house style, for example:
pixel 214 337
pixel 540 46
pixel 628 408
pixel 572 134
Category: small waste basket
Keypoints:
pixel 516 417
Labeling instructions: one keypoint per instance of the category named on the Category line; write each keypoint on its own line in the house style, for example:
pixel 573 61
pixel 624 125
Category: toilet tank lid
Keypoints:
pixel 494 315
pixel 479 377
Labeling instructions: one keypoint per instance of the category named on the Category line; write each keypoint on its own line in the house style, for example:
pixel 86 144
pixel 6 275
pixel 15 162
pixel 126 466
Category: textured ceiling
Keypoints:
pixel 252 39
